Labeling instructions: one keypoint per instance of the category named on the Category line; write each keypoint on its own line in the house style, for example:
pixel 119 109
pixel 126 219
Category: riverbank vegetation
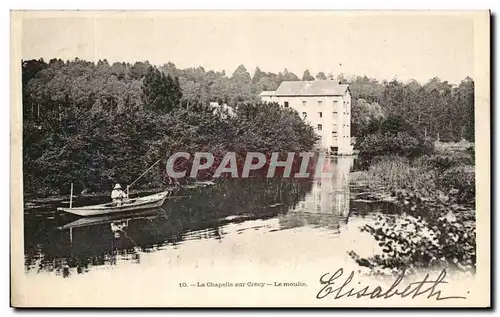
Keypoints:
pixel 434 185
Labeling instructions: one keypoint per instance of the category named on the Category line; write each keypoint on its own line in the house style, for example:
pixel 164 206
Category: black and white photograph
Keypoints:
pixel 250 159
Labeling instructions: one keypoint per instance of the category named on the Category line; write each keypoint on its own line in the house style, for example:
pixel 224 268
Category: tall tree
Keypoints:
pixel 307 76
pixel 161 93
pixel 139 70
pixel 465 96
pixel 321 76
pixel 257 75
pixel 240 85
pixel 285 75
pixel 119 70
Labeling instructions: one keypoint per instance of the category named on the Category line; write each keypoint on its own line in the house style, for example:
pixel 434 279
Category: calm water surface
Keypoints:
pixel 270 222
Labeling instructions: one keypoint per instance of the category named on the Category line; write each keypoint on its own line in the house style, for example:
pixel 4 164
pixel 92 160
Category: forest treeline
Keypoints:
pixel 98 123
pixel 85 124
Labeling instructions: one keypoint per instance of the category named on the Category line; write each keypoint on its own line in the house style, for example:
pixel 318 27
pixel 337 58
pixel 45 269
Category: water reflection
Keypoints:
pixel 65 246
pixel 327 204
pixel 197 212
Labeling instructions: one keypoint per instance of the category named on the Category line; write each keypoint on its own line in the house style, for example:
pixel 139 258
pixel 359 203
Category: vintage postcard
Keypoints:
pixel 250 159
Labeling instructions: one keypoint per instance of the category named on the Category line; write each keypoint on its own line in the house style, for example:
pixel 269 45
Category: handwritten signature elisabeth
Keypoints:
pixel 333 286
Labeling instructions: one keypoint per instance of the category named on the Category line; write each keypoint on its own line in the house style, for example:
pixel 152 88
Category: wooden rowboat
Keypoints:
pixel 136 204
pixel 106 219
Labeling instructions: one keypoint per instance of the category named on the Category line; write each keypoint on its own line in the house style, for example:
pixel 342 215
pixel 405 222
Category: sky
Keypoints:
pixel 384 45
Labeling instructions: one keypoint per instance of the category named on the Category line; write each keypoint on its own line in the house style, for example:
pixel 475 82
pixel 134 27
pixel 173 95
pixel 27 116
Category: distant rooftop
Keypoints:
pixel 310 88
pixel 223 109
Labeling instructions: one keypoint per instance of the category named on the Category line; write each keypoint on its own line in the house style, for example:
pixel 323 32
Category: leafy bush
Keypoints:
pixel 442 162
pixel 460 184
pixel 401 144
pixel 472 152
pixel 413 242
pixel 391 136
pixel 395 173
pixel 270 127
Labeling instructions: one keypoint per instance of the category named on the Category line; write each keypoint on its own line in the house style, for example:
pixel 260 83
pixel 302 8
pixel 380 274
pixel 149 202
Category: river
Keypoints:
pixel 250 223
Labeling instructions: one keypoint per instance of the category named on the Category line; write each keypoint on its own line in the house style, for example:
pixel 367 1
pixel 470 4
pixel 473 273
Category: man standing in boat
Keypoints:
pixel 117 195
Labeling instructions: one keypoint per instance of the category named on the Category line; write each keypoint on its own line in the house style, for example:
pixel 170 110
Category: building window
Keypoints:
pixel 304 102
pixel 334 132
pixel 335 113
pixel 320 102
pixel 304 114
pixel 320 127
pixel 321 114
pixel 335 102
pixel 286 104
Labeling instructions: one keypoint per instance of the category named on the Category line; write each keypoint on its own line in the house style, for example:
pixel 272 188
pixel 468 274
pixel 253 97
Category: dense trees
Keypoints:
pixel 88 122
pixel 160 93
pixel 94 124
pixel 435 109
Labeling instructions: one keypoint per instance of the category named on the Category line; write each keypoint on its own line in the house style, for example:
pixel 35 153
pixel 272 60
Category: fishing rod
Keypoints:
pixel 128 186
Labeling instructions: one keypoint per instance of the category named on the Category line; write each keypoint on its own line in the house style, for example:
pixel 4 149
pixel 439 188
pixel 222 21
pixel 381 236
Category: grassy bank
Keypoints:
pixel 432 177
pixel 436 194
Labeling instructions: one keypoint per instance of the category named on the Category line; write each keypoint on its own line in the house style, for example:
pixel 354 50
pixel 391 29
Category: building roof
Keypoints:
pixel 268 93
pixel 311 88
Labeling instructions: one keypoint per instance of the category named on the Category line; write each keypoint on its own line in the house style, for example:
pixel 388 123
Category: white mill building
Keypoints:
pixel 324 104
